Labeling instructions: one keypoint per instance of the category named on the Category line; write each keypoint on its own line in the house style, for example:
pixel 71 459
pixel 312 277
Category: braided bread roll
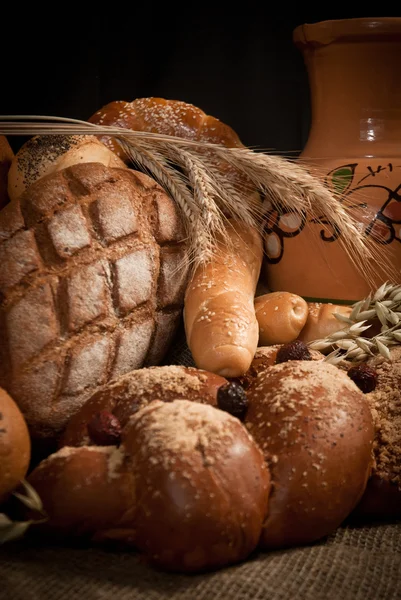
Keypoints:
pixel 169 117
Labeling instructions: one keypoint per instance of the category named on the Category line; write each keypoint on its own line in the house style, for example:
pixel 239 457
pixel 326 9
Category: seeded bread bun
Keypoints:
pixel 85 492
pixel 281 317
pixel 203 482
pixel 6 157
pixel 188 487
pixel 382 498
pixel 42 155
pixel 15 445
pixel 126 395
pixel 316 430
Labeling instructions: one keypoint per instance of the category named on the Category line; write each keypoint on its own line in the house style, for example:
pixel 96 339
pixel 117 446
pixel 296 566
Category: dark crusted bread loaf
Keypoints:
pixel 92 277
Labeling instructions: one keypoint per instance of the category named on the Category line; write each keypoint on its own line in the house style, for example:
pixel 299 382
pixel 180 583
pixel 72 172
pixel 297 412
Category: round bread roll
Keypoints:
pixel 93 272
pixel 42 155
pixel 86 493
pixel 321 321
pixel 6 158
pixel 126 395
pixel 15 445
pixel 202 482
pixel 382 497
pixel 316 430
pixel 281 317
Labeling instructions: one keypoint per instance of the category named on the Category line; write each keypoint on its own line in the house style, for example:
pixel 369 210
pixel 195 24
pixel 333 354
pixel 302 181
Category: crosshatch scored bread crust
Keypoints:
pixel 93 271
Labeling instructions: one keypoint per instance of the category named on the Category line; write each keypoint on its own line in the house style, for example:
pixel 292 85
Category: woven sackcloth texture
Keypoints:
pixel 353 564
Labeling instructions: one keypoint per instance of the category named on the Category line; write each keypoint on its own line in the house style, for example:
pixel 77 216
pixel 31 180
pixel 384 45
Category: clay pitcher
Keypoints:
pixel 354 144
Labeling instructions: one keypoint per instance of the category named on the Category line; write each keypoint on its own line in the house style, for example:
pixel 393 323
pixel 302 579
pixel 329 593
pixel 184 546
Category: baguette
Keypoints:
pixel 219 314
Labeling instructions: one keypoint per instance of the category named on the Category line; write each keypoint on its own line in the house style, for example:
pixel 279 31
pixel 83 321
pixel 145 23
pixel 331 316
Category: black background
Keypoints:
pixel 236 63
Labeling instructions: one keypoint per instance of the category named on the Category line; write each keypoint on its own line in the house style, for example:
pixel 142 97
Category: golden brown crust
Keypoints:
pixel 321 321
pixel 188 488
pixel 90 286
pixel 15 445
pixel 281 317
pixel 316 430
pixel 85 492
pixel 219 313
pixel 169 117
pixel 203 484
pixel 126 395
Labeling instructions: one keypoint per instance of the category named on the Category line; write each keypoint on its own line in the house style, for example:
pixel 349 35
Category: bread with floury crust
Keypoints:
pixel 316 429
pixel 46 154
pixel 187 487
pixel 93 271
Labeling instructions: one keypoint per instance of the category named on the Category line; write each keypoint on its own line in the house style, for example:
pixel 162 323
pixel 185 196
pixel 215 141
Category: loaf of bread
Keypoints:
pixel 127 394
pixel 281 317
pixel 316 429
pixel 15 445
pixel 6 158
pixel 188 487
pixel 382 498
pixel 321 321
pixel 42 155
pixel 93 271
pixel 169 117
pixel 220 323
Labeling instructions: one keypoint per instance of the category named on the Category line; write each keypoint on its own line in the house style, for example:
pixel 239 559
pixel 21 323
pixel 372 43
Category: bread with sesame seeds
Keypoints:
pixel 159 115
pixel 42 155
pixel 316 430
pixel 219 315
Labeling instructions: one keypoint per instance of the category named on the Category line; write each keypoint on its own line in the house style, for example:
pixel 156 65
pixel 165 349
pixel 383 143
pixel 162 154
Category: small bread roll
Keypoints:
pixel 203 486
pixel 125 395
pixel 42 155
pixel 316 430
pixel 321 321
pixel 15 445
pixel 84 492
pixel 281 317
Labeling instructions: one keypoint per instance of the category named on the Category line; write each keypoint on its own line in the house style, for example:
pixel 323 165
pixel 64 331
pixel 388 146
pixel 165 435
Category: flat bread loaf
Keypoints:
pixel 93 270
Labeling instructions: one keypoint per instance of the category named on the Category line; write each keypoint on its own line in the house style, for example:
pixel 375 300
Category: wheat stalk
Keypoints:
pixel 13 530
pixel 384 305
pixel 208 194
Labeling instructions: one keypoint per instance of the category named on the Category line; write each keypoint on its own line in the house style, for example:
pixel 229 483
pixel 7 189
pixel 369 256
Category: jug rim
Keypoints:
pixel 326 32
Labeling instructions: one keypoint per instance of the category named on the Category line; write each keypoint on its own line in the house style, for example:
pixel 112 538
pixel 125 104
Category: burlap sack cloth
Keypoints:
pixel 355 563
